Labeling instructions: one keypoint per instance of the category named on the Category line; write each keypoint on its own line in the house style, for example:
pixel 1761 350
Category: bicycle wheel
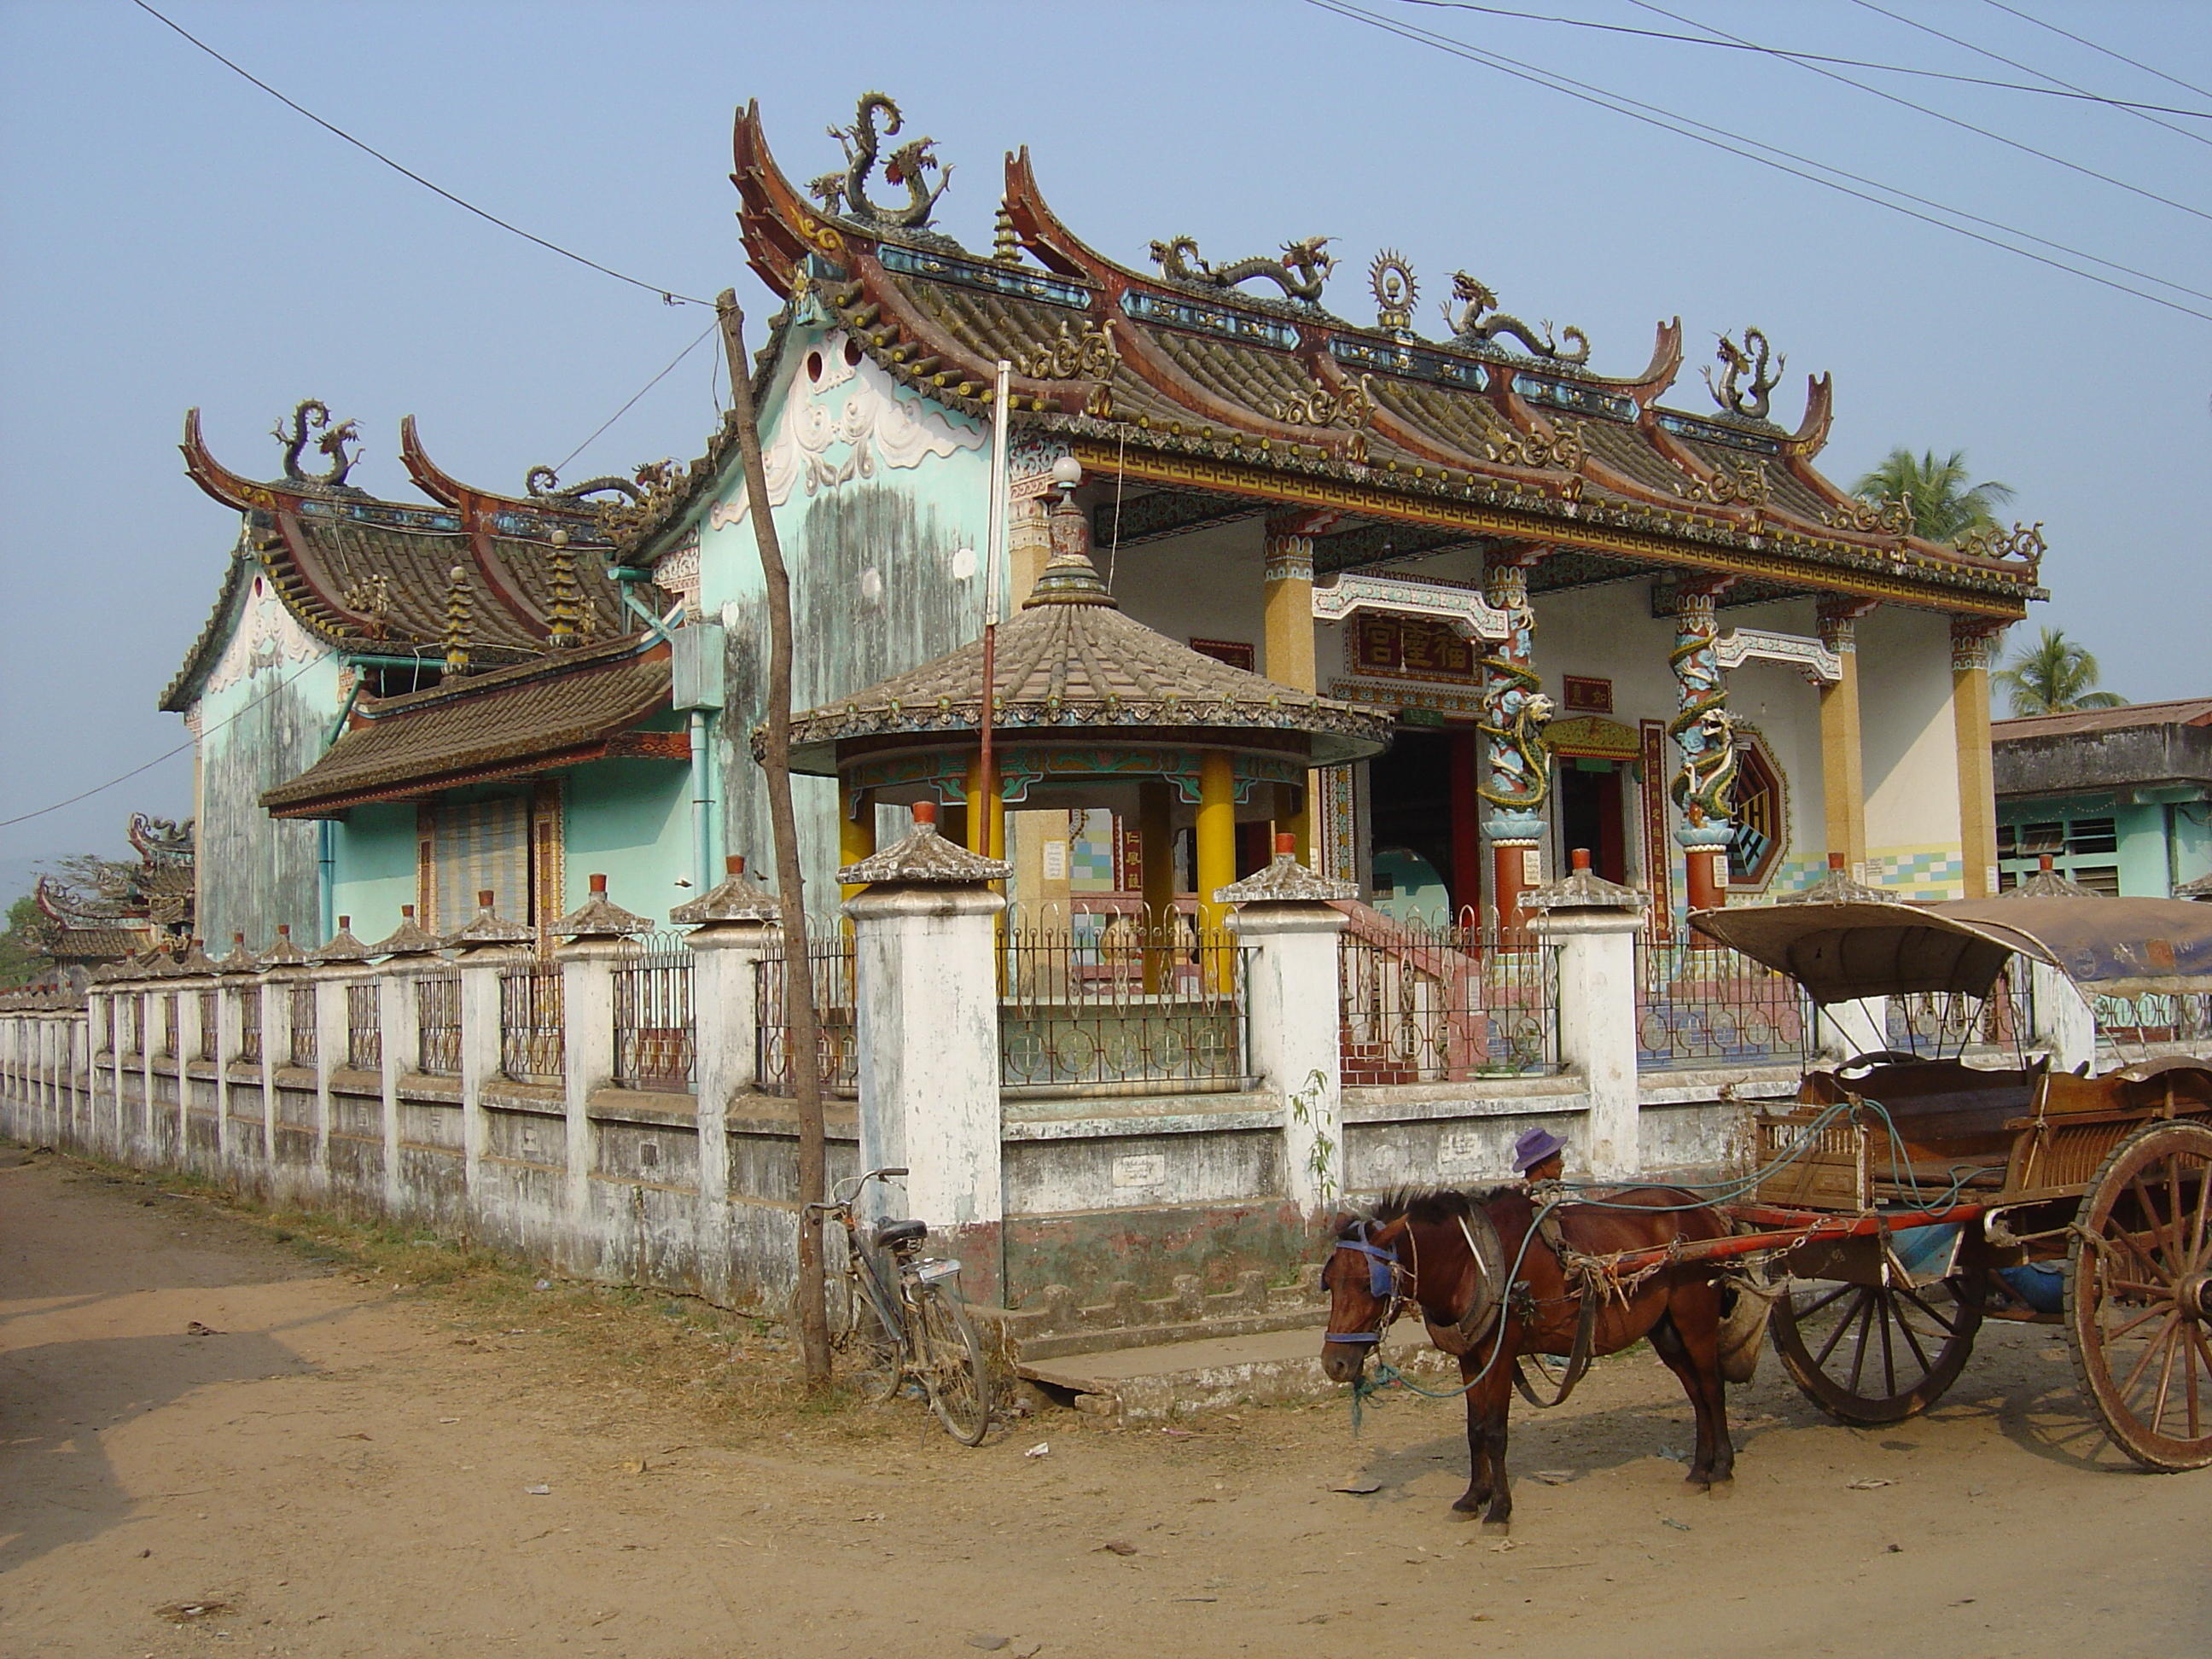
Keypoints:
pixel 949 1360
pixel 868 1341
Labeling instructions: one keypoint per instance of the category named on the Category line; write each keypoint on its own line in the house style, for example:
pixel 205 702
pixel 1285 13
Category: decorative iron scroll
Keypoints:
pixel 1988 541
pixel 1742 485
pixel 1883 517
pixel 1087 355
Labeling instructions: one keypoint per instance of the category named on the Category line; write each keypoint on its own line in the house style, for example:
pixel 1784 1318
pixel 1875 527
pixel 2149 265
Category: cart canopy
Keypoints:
pixel 1876 948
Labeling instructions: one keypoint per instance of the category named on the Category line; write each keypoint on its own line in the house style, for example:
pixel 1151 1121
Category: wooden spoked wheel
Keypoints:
pixel 2139 1296
pixel 1874 1354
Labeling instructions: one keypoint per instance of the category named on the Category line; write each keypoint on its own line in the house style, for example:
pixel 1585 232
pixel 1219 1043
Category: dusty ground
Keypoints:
pixel 388 1448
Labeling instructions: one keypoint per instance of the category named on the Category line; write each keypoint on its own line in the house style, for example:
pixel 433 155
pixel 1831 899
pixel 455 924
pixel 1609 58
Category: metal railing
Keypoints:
pixel 438 1023
pixel 246 999
pixel 170 1041
pixel 1109 1005
pixel 364 1028
pixel 305 1036
pixel 135 1020
pixel 653 1046
pixel 835 1003
pixel 1699 1003
pixel 1945 1021
pixel 208 1006
pixel 1430 1003
pixel 532 1047
pixel 2156 1017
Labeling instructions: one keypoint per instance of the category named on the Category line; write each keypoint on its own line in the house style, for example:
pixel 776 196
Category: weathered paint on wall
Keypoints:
pixel 1911 750
pixel 263 716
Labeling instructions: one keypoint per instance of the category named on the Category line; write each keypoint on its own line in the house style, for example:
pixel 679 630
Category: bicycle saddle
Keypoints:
pixel 891 1234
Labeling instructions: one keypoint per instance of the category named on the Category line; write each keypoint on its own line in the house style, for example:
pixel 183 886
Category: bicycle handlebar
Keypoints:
pixel 856 1182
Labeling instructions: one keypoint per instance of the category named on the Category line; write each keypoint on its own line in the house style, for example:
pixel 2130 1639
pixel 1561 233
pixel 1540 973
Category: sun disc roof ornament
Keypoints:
pixel 846 193
pixel 1392 281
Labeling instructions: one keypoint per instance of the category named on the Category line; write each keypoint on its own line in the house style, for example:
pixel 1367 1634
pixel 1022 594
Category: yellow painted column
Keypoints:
pixel 1971 640
pixel 856 829
pixel 1216 849
pixel 1155 853
pixel 1287 612
pixel 1843 768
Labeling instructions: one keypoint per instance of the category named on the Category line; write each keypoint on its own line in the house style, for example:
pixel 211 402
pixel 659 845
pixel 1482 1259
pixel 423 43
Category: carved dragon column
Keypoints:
pixel 1515 712
pixel 1972 639
pixel 1704 731
pixel 1843 773
pixel 1287 609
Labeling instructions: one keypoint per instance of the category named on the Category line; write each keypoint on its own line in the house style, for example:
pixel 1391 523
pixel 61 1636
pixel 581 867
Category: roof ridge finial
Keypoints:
pixel 562 614
pixel 458 610
pixel 1069 577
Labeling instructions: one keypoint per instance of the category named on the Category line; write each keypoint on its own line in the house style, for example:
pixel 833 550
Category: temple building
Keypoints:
pixel 1584 617
pixel 113 908
pixel 2118 801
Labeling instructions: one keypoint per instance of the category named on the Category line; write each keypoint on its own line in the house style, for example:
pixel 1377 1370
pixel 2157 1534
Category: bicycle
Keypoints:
pixel 914 1327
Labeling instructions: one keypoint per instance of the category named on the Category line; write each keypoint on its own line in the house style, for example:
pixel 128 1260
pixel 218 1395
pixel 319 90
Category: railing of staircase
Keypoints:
pixel 1438 1002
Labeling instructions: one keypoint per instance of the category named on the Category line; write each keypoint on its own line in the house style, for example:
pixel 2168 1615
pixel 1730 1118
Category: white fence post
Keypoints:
pixel 1291 1017
pixel 733 926
pixel 409 952
pixel 1594 923
pixel 925 982
pixel 599 932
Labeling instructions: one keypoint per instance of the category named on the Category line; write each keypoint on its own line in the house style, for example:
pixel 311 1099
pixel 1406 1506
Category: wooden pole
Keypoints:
pixel 799 968
pixel 984 835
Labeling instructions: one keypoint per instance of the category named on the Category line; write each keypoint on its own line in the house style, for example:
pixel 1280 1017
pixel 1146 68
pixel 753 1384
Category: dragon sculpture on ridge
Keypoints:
pixel 910 164
pixel 542 484
pixel 1179 261
pixel 1737 360
pixel 311 418
pixel 1470 327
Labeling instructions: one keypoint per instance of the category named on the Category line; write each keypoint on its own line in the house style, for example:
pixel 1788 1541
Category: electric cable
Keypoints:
pixel 1734 143
pixel 1998 57
pixel 634 396
pixel 668 295
pixel 2059 90
pixel 2027 17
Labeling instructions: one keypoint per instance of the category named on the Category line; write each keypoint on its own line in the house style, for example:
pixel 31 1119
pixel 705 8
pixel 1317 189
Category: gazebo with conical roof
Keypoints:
pixel 1090 708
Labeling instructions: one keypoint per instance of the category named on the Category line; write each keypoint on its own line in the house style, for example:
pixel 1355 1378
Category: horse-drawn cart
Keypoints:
pixel 1905 1200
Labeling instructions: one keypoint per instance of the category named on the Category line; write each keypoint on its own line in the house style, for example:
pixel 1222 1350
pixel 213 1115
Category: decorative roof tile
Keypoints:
pixel 341 948
pixel 1286 881
pixel 240 959
pixel 925 858
pixel 487 929
pixel 407 939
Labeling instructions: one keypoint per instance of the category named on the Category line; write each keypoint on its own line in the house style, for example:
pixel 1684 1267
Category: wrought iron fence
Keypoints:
pixel 1699 1003
pixel 532 1046
pixel 1109 1005
pixel 305 1036
pixel 136 1018
pixel 246 999
pixel 653 1045
pixel 2156 1017
pixel 364 1028
pixel 835 1027
pixel 1945 1021
pixel 208 1006
pixel 438 1023
pixel 169 1022
pixel 1434 1003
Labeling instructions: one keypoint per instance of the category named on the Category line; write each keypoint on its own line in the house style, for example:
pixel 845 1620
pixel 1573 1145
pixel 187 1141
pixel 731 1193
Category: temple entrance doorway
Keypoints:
pixel 1422 813
pixel 1591 815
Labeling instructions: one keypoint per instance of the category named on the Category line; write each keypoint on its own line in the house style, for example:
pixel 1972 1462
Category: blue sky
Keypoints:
pixel 170 236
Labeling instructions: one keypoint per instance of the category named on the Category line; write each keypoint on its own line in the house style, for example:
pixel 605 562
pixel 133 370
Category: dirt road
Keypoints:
pixel 345 1466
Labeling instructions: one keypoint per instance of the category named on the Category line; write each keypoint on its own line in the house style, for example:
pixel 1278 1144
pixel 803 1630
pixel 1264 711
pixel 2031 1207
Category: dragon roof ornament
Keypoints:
pixel 846 193
pixel 1301 273
pixel 311 424
pixel 1464 315
pixel 1750 358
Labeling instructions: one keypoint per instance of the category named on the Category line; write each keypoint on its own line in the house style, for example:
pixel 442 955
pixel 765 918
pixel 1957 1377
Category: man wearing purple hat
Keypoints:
pixel 1538 1155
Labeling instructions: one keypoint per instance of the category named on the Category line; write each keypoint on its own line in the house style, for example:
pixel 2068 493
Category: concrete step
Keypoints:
pixel 1172 1379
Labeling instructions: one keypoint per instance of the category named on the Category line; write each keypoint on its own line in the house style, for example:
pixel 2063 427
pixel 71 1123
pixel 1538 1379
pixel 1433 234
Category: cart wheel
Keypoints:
pixel 1874 1353
pixel 2139 1296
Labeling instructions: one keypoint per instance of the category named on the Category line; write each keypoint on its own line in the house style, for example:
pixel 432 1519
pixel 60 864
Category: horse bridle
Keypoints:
pixel 1387 1278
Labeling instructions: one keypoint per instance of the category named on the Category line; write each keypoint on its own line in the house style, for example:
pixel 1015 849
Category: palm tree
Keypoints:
pixel 1944 505
pixel 2054 676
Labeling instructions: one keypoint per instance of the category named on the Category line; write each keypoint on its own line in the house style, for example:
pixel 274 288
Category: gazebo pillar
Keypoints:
pixel 1286 603
pixel 1216 840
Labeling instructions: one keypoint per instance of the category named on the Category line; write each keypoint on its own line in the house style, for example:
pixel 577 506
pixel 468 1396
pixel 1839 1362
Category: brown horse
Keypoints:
pixel 1490 1292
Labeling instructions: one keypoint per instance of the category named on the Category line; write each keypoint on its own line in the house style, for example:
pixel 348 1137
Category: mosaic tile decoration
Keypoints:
pixel 1090 851
pixel 1919 872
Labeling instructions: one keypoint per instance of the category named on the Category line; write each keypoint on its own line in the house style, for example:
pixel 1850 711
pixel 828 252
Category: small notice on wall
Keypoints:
pixel 1055 860
pixel 1532 867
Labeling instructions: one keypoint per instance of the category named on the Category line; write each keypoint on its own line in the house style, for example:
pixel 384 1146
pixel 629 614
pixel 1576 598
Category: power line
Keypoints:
pixel 1953 120
pixel 2012 63
pixel 634 396
pixel 668 295
pixel 2061 90
pixel 2025 17
pixel 1735 144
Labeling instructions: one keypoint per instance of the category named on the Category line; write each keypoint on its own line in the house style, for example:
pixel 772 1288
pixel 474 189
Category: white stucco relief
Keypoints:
pixel 1470 615
pixel 874 425
pixel 266 637
pixel 1808 656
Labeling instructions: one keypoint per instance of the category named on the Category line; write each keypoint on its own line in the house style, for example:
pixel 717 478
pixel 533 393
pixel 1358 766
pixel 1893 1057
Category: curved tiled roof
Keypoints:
pixel 555 711
pixel 1070 662
pixel 1191 386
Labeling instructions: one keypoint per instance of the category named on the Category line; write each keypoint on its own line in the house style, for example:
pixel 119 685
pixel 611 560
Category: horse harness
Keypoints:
pixel 1387 1278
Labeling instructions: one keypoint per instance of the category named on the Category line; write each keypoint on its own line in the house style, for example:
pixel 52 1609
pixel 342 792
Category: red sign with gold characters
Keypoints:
pixel 1587 697
pixel 1411 648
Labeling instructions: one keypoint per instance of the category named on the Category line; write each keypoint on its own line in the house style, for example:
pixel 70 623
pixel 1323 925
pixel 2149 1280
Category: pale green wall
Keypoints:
pixel 629 820
pixel 373 867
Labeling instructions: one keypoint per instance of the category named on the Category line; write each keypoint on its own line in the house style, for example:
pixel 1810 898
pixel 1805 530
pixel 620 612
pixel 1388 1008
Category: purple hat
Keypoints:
pixel 1534 1147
